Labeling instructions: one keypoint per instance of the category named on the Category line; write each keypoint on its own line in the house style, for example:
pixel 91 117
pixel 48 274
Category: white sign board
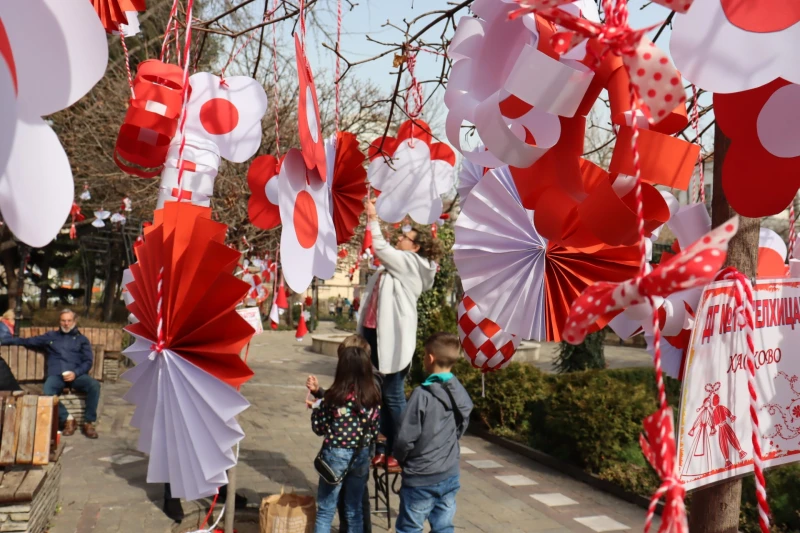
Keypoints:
pixel 253 317
pixel 714 427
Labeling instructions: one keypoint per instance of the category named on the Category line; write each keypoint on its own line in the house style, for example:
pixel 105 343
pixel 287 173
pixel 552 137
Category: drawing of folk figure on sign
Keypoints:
pixel 790 415
pixel 721 418
pixel 699 461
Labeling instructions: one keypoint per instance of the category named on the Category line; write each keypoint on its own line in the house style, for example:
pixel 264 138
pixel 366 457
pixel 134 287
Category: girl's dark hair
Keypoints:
pixel 429 247
pixel 354 375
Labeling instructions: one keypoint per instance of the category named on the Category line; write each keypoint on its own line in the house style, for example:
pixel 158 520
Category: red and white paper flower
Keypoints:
pixel 51 54
pixel 486 345
pixel 309 127
pixel 420 173
pixel 262 180
pixel 223 121
pixel 308 238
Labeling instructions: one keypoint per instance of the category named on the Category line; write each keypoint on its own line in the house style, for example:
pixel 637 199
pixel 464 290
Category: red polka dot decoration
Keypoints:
pixel 151 119
pixel 485 344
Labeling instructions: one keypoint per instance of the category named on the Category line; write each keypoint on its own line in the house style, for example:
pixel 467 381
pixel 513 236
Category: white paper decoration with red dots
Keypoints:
pixel 486 345
pixel 308 237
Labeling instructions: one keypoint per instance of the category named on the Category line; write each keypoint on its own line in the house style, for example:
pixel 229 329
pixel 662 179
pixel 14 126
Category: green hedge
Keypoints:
pixel 593 419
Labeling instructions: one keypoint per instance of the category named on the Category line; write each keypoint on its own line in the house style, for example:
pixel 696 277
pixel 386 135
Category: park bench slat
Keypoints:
pixel 9 485
pixel 27 430
pixel 44 429
pixel 8 442
pixel 28 487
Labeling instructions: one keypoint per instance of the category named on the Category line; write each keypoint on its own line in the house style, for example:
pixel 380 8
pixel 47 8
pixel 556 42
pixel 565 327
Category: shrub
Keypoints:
pixel 584 356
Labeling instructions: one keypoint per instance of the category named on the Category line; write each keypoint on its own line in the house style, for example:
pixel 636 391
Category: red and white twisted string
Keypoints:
pixel 413 101
pixel 275 92
pixel 744 297
pixel 127 63
pixel 164 49
pixel 700 185
pixel 338 59
pixel 792 229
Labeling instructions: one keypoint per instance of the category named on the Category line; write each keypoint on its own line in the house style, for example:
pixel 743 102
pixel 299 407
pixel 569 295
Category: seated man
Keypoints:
pixel 69 359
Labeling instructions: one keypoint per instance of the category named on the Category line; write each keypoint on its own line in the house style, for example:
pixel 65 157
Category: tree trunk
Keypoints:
pixel 44 285
pixel 10 266
pixel 111 283
pixel 716 509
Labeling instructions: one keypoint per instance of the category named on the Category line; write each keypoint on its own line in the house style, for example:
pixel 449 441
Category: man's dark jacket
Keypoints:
pixel 65 351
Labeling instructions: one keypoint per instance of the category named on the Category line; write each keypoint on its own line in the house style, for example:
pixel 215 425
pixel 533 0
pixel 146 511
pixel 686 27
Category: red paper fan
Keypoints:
pixel 262 181
pixel 112 12
pixel 311 142
pixel 348 186
pixel 184 248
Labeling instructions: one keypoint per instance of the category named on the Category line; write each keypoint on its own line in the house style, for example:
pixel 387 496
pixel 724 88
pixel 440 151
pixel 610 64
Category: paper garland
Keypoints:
pixel 420 173
pixel 34 170
pixel 347 181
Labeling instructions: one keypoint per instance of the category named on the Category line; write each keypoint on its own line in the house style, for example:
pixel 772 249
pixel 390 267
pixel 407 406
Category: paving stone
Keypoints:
pixel 516 480
pixel 467 451
pixel 601 523
pixel 484 464
pixel 555 499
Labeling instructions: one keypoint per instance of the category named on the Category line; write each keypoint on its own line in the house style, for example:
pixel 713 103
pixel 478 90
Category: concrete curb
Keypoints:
pixel 566 468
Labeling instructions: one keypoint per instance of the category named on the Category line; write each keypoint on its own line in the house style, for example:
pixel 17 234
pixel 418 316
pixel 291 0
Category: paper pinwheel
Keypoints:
pixel 727 46
pixel 485 344
pixel 187 363
pixel 347 180
pixel 311 142
pixel 421 172
pixel 761 124
pixel 262 207
pixel 308 238
pixel 119 15
pixel 223 121
pixel 34 169
pixel 520 281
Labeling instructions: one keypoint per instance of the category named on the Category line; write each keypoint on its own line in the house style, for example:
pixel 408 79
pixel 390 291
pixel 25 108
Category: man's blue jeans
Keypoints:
pixel 354 483
pixel 436 504
pixel 54 385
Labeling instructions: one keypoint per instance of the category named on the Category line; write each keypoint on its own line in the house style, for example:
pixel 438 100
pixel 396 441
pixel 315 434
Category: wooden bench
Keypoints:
pixel 30 478
pixel 29 367
pixel 112 338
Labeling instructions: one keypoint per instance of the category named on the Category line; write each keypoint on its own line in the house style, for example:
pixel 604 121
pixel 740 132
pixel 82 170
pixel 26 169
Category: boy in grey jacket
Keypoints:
pixel 427 447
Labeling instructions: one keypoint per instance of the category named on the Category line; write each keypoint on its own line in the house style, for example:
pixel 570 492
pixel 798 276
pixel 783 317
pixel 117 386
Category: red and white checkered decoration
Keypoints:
pixel 487 346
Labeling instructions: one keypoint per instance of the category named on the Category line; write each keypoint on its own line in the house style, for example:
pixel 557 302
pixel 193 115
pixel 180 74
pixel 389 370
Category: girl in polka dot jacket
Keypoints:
pixel 347 416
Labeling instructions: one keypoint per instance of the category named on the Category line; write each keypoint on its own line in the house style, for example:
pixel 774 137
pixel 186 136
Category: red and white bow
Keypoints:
pixel 694 267
pixel 655 81
pixel 658 446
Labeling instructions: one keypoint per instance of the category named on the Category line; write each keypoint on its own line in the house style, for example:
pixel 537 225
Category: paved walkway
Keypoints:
pixel 104 488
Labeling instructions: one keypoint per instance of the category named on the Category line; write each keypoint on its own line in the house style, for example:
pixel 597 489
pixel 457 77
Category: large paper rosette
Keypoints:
pixel 51 54
pixel 727 46
pixel 421 171
pixel 308 238
pixel 520 281
pixel 119 15
pixel 188 359
pixel 347 181
pixel 762 124
pixel 223 121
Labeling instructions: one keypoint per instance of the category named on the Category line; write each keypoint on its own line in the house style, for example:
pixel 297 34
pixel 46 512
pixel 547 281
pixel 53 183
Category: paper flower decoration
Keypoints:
pixel 119 15
pixel 485 344
pixel 520 281
pixel 36 187
pixel 223 121
pixel 421 172
pixel 727 46
pixel 347 180
pixel 308 238
pixel 191 356
pixel 262 207
pixel 494 61
pixel 311 142
pixel 772 254
pixel 151 120
pixel 469 175
pixel 764 142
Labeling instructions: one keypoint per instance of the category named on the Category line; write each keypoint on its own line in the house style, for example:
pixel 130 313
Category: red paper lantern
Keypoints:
pixel 151 120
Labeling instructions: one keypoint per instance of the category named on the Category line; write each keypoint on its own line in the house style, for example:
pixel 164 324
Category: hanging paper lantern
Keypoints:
pixel 309 128
pixel 262 207
pixel 347 180
pixel 486 345
pixel 190 355
pixel 151 119
pixel 308 238
pixel 421 172
pixel 51 54
pixel 119 16
pixel 223 121
pixel 302 329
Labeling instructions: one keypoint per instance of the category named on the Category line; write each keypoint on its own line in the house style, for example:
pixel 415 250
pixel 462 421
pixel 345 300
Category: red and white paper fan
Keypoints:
pixel 119 16
pixel 262 180
pixel 311 142
pixel 347 180
pixel 223 121
pixel 469 175
pixel 308 238
pixel 486 345
pixel 52 53
pixel 421 172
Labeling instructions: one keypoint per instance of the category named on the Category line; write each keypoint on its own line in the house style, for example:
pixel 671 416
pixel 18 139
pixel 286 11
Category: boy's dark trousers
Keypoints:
pixel 366 511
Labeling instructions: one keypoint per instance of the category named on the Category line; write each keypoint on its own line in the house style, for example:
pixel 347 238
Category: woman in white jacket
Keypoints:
pixel 388 317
